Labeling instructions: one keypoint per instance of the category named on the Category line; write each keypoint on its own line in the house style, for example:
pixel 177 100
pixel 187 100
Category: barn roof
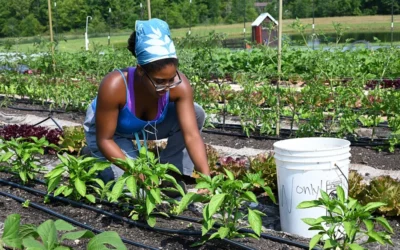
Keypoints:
pixel 262 17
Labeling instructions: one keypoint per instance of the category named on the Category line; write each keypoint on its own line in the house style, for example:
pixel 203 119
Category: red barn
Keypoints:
pixel 265 30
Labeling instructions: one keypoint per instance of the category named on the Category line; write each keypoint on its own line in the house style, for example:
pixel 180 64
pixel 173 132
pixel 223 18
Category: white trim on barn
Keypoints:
pixel 262 17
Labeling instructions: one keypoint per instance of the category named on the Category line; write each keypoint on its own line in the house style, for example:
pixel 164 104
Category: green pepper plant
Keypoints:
pixel 82 171
pixel 144 179
pixel 21 154
pixel 227 197
pixel 346 222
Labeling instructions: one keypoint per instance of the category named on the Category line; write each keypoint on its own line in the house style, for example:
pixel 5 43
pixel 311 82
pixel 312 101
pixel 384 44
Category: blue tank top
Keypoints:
pixel 127 122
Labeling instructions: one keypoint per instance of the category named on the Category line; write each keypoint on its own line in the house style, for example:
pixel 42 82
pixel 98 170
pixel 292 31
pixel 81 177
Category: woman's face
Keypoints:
pixel 164 79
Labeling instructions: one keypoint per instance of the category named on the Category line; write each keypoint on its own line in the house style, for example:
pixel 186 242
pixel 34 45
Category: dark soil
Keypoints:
pixel 158 240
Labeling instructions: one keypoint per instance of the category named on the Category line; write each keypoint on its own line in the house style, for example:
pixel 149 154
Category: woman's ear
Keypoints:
pixel 139 70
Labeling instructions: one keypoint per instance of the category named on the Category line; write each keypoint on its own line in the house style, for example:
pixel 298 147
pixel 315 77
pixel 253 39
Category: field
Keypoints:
pixel 323 25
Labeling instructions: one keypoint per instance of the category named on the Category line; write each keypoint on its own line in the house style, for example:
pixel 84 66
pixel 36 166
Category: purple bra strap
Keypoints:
pixel 162 102
pixel 131 100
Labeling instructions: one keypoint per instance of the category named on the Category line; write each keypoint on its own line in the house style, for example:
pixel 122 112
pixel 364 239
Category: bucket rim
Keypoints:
pixel 281 144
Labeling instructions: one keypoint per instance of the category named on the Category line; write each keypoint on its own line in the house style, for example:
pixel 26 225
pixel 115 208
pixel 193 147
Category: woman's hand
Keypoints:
pixel 203 191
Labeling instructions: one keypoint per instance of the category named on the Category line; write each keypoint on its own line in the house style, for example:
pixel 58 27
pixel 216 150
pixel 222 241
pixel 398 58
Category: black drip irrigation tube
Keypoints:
pixel 34 102
pixel 262 235
pixel 180 217
pixel 70 220
pixel 184 218
pixel 362 141
pixel 37 110
pixel 117 217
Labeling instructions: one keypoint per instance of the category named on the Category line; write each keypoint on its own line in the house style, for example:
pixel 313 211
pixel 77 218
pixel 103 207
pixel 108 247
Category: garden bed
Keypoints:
pixel 143 236
pixel 362 155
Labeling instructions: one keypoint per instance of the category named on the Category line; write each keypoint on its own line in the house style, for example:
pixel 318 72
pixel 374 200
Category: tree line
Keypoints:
pixel 30 17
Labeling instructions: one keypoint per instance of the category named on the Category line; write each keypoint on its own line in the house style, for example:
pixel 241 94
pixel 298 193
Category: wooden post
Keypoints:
pixel 149 9
pixel 51 33
pixel 280 26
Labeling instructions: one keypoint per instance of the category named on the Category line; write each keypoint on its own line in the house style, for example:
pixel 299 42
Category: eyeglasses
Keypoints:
pixel 169 85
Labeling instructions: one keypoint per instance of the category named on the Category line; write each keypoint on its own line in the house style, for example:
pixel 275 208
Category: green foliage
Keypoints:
pixel 30 26
pixel 143 178
pixel 300 28
pixel 82 171
pixel 103 240
pixel 212 158
pixel 265 165
pixel 212 40
pixel 46 236
pixel 21 155
pixel 226 197
pixel 102 189
pixel 333 86
pixel 73 139
pixel 357 188
pixel 386 190
pixel 345 221
pixel 10 237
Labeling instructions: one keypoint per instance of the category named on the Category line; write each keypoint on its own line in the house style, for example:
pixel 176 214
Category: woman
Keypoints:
pixel 148 102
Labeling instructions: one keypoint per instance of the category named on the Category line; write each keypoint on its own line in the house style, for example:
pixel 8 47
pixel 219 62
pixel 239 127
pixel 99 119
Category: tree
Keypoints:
pixel 214 11
pixel 10 27
pixel 301 8
pixel 72 14
pixel 30 26
pixel 174 17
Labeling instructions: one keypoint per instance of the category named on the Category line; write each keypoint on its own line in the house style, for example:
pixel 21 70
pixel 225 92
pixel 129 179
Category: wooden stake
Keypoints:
pixel 280 26
pixel 51 32
pixel 149 8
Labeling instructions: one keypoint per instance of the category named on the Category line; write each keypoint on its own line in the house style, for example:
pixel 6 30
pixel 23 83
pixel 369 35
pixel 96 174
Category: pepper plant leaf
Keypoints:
pixel 11 231
pixel 255 221
pixel 48 234
pixel 100 241
pixel 80 187
pixel 215 203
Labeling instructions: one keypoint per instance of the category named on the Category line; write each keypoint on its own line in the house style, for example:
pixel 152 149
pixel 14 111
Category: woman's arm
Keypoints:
pixel 183 96
pixel 111 97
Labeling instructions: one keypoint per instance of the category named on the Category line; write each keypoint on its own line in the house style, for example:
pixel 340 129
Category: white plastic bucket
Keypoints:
pixel 304 167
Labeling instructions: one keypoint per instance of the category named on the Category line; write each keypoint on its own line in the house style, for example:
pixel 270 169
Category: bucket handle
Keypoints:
pixel 335 165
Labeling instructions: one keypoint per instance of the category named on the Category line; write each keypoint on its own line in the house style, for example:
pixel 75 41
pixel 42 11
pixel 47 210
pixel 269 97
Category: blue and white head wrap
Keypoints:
pixel 153 41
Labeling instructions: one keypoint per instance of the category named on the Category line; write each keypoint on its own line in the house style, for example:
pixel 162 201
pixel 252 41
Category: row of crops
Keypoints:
pixel 230 188
pixel 321 92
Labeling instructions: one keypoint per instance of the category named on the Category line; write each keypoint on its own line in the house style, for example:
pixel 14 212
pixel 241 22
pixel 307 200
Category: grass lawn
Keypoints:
pixel 355 24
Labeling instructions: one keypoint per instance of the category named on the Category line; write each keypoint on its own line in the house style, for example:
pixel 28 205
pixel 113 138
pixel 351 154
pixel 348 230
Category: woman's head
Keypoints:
pixel 152 46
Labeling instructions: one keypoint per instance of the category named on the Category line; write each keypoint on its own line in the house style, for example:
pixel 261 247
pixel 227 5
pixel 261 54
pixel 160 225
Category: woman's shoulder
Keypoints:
pixel 113 85
pixel 115 77
pixel 183 90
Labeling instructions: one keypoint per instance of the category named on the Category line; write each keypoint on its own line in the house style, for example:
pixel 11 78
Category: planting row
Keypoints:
pixel 72 140
pixel 144 185
pixel 145 181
